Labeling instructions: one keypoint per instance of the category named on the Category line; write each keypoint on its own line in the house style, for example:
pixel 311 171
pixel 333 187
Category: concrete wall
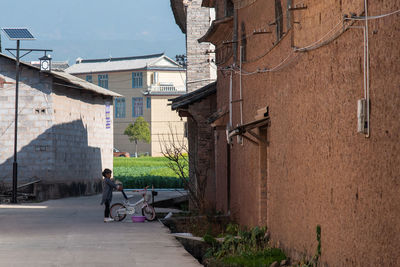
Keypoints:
pixel 62 135
pixel 35 154
pixel 319 170
pixel 164 122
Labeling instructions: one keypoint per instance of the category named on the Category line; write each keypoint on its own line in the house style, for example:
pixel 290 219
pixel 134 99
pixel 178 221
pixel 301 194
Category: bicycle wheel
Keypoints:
pixel 115 212
pixel 149 212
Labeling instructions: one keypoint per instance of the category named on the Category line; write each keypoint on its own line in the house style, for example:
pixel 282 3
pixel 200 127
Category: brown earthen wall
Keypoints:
pixel 320 171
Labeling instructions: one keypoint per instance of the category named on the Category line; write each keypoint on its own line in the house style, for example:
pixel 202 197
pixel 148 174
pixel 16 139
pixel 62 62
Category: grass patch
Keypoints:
pixel 143 171
pixel 242 247
pixel 259 259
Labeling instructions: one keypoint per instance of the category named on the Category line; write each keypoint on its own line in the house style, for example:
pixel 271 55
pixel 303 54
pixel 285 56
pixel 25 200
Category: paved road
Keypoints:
pixel 71 232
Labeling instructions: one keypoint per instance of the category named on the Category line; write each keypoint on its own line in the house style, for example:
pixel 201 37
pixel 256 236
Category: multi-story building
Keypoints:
pixel 146 83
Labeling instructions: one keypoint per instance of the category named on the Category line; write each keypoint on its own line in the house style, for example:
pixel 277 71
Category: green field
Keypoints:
pixel 143 171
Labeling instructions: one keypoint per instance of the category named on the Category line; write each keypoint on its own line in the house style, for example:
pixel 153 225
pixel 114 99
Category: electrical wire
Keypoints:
pixel 323 37
pixel 309 47
pixel 374 17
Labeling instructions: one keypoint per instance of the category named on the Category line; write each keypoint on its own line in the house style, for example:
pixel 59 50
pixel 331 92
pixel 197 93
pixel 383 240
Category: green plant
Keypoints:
pixel 315 259
pixel 175 149
pixel 139 131
pixel 139 172
pixel 243 247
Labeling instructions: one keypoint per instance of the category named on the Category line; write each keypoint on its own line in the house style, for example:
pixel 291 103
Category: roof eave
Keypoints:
pixel 218 31
pixel 193 97
pixel 179 11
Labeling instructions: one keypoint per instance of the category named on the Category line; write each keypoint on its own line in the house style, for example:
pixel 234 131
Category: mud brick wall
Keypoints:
pixel 319 170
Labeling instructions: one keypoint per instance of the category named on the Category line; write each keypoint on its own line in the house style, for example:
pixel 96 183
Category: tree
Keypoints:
pixel 175 149
pixel 139 131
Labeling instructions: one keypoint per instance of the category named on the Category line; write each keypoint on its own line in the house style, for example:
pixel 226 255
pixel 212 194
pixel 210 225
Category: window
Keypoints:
pixel 244 42
pixel 148 100
pixel 229 8
pixel 89 78
pixel 103 80
pixel 137 79
pixel 137 106
pixel 289 22
pixel 278 20
pixel 154 78
pixel 120 108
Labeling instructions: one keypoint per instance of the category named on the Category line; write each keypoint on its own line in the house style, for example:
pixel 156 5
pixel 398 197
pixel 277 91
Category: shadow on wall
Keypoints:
pixel 62 159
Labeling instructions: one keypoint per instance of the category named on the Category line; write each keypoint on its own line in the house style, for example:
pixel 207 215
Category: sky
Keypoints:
pixel 94 28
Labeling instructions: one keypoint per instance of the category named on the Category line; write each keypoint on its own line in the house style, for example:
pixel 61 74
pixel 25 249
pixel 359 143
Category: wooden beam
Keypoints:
pixel 251 140
pixel 256 136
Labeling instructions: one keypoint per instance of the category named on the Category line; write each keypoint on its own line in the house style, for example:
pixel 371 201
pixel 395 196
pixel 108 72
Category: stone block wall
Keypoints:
pixel 199 71
pixel 62 134
pixel 35 150
pixel 82 141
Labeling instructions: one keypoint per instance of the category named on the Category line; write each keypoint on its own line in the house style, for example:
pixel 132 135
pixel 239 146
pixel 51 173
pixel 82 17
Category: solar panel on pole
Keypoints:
pixel 18 34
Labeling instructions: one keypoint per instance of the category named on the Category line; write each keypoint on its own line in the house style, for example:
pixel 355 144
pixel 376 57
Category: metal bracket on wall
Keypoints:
pixel 298 7
pixel 261 32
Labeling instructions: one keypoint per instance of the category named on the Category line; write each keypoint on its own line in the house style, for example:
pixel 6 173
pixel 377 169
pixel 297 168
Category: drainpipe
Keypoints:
pixel 230 101
pixel 367 57
pixel 240 92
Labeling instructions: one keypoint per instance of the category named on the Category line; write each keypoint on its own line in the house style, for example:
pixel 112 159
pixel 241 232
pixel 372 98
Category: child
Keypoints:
pixel 108 186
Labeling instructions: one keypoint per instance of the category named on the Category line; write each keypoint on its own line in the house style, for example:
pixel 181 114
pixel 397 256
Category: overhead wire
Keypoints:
pixel 373 17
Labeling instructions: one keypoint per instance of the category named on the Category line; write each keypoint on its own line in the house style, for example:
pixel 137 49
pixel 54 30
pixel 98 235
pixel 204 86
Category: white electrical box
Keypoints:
pixel 361 115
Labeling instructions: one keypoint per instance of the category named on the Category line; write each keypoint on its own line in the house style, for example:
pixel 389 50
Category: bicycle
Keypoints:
pixel 118 211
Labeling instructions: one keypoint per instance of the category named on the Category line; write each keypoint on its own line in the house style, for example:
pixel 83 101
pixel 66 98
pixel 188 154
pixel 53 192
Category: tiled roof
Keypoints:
pixel 70 80
pixel 82 84
pixel 193 97
pixel 83 66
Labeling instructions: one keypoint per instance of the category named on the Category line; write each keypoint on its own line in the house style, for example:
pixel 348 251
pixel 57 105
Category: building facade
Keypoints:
pixel 194 21
pixel 146 82
pixel 310 136
pixel 65 133
pixel 198 106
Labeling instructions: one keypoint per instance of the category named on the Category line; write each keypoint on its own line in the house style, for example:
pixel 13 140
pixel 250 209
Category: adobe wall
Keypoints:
pixel 320 171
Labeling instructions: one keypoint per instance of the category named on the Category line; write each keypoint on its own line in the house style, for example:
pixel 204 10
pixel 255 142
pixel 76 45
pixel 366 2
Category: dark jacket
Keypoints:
pixel 108 186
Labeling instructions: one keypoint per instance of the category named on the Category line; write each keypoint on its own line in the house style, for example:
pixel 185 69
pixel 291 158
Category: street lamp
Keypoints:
pixel 45 63
pixel 18 34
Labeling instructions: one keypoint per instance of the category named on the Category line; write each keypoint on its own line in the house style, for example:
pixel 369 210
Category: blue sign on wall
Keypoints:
pixel 108 115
